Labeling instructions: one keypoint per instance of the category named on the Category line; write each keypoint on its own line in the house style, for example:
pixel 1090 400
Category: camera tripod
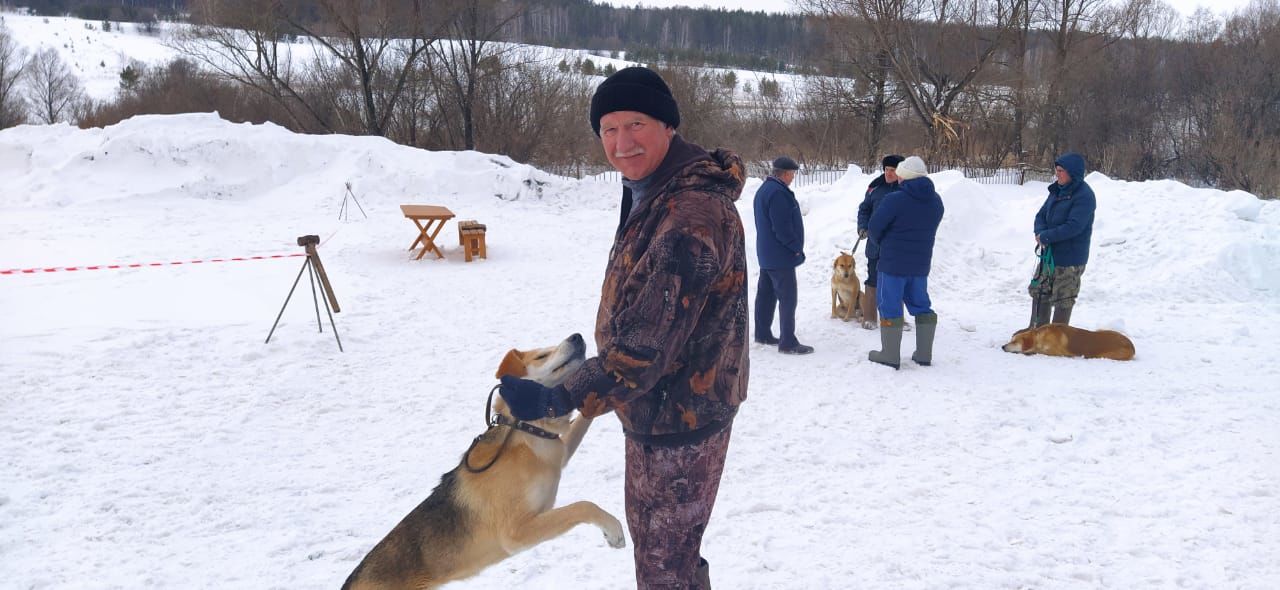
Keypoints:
pixel 344 212
pixel 313 264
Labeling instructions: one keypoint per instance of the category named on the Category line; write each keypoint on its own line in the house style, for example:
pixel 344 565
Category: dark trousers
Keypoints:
pixel 670 492
pixel 777 287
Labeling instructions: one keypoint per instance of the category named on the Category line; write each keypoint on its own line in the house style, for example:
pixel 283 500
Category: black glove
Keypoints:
pixel 530 400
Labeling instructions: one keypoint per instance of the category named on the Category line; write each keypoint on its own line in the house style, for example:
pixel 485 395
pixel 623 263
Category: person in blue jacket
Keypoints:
pixel 876 191
pixel 780 249
pixel 1063 229
pixel 905 225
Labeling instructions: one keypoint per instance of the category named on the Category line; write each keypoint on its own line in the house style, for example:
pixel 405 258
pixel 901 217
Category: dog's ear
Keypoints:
pixel 512 364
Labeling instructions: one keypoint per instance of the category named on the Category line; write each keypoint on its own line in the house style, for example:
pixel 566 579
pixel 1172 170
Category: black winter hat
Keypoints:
pixel 785 163
pixel 891 161
pixel 637 89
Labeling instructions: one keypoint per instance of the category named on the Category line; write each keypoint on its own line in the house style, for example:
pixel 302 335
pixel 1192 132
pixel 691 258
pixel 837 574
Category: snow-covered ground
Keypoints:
pixel 148 437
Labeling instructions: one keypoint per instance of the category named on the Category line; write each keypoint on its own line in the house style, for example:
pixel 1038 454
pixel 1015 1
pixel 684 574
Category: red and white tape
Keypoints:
pixel 29 271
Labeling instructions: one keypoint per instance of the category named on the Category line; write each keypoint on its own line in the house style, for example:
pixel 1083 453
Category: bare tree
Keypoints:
pixel 707 112
pixel 53 91
pixel 13 61
pixel 921 39
pixel 247 42
pixel 470 56
pixel 860 83
pixel 1079 30
pixel 373 44
pixel 1241 143
pixel 537 114
pixel 1022 97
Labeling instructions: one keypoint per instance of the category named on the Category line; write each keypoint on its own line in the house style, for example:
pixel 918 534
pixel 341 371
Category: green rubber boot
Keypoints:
pixel 926 325
pixel 890 353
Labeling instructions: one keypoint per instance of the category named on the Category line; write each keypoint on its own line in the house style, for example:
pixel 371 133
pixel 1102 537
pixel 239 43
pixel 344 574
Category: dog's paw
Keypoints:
pixel 613 533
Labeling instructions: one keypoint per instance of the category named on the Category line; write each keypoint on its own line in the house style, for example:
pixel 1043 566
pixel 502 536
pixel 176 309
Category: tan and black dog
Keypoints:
pixel 1064 340
pixel 498 500
pixel 845 288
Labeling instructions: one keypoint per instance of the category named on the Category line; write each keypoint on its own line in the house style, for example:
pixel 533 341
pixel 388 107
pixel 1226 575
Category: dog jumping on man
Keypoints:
pixel 499 500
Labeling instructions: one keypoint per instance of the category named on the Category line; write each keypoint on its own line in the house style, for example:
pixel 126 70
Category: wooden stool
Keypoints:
pixel 471 237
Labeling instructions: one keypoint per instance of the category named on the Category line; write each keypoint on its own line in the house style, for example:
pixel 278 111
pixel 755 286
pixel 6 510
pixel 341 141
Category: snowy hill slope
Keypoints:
pixel 97 56
pixel 150 438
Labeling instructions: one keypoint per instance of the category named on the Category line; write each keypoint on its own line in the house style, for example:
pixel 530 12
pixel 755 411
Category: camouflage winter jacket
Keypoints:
pixel 671 331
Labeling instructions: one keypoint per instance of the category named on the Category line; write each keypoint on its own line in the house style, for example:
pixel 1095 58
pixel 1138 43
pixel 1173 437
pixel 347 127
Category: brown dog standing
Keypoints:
pixel 1064 340
pixel 845 288
pixel 499 500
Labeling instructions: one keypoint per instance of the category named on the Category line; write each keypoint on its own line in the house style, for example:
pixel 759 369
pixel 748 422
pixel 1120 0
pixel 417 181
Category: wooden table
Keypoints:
pixel 434 216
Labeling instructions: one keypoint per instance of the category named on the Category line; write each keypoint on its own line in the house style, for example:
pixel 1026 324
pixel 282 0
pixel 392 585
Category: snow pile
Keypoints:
pixel 151 438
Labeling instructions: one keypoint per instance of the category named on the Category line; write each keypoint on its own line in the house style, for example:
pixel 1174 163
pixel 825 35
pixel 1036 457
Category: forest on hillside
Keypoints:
pixel 1141 91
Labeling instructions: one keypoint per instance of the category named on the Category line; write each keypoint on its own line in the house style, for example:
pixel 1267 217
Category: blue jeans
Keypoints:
pixel 894 290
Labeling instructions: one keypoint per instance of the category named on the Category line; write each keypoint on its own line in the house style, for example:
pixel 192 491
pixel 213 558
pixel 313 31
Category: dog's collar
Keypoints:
pixel 500 420
pixel 522 426
pixel 494 421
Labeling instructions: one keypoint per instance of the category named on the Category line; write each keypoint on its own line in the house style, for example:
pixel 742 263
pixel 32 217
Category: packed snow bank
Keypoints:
pixel 150 437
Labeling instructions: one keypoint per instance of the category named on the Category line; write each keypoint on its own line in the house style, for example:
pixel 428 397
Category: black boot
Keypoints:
pixel 704 576
pixel 769 340
pixel 1039 313
pixel 1061 315
pixel 797 349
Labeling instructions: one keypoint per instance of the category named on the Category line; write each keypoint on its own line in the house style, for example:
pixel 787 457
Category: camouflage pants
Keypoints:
pixel 669 495
pixel 1058 289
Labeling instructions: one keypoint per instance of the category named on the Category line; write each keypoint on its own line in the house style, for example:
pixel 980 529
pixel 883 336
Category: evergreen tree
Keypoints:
pixel 129 78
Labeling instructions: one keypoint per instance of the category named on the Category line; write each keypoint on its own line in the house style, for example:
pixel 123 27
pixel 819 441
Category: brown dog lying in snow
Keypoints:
pixel 1064 340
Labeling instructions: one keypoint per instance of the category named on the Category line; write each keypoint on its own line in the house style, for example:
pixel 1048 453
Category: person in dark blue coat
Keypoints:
pixel 905 225
pixel 1063 228
pixel 876 191
pixel 780 249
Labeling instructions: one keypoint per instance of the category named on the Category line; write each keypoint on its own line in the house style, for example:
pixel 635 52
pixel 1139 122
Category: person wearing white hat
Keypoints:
pixel 905 225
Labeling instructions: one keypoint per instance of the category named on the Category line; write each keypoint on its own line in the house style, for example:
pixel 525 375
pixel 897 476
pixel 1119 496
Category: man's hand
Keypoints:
pixel 862 233
pixel 530 400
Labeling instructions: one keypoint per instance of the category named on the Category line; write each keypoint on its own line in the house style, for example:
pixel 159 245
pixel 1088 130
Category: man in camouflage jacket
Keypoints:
pixel 671 331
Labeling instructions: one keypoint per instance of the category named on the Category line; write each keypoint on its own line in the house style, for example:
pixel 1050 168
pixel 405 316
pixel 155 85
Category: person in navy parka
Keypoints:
pixel 1063 229
pixel 780 249
pixel 905 225
pixel 876 191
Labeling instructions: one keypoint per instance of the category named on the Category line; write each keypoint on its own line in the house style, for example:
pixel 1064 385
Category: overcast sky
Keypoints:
pixel 1184 6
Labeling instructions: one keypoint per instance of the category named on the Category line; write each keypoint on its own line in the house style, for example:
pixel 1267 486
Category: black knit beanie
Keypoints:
pixel 637 89
pixel 891 161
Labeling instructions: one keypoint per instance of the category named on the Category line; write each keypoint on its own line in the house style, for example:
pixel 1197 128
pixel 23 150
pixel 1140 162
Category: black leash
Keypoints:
pixel 494 421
